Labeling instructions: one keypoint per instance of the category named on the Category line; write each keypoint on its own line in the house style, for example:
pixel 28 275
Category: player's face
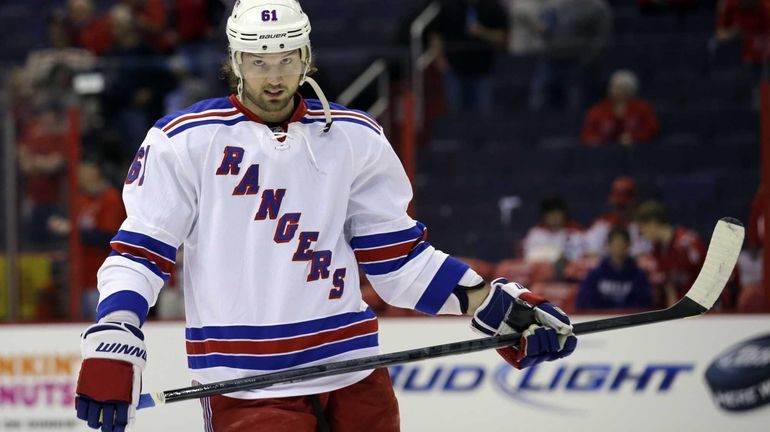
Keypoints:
pixel 270 80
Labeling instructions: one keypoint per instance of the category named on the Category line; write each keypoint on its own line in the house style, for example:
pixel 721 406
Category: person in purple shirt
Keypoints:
pixel 618 282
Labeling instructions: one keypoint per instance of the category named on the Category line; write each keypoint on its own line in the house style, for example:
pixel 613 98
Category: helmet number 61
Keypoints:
pixel 269 15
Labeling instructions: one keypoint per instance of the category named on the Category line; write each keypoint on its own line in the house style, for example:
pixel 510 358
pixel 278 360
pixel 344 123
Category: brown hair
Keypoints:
pixel 226 73
pixel 652 211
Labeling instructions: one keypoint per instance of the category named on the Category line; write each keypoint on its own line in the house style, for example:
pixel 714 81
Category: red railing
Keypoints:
pixel 74 255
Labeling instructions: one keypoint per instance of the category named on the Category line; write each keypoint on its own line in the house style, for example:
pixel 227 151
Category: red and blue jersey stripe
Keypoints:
pixel 274 347
pixel 209 111
pixel 441 286
pixel 157 256
pixel 339 112
pixel 384 253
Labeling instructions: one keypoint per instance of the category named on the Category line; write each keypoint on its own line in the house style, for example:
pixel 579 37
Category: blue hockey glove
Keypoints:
pixel 546 333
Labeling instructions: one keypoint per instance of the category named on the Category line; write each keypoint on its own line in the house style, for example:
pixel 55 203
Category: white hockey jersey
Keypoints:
pixel 273 232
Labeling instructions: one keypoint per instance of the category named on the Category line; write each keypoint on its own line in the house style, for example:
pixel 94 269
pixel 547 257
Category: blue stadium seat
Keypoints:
pixel 611 159
pixel 657 158
pixel 690 189
pixel 743 121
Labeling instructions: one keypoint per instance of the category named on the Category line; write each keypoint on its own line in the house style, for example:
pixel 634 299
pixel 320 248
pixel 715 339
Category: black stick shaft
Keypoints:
pixel 682 309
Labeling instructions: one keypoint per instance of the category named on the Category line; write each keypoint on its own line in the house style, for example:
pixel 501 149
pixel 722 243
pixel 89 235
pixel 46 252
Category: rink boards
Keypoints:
pixel 707 374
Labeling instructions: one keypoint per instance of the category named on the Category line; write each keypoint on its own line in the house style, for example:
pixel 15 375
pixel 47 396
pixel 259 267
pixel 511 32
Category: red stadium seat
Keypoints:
pixel 562 294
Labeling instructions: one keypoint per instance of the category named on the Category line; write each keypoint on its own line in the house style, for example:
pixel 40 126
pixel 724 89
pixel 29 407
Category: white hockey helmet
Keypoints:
pixel 268 26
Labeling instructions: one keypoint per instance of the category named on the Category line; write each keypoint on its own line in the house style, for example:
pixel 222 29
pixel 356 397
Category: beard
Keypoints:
pixel 266 103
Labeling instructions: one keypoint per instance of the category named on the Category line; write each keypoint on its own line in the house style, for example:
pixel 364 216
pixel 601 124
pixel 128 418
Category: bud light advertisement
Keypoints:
pixel 704 374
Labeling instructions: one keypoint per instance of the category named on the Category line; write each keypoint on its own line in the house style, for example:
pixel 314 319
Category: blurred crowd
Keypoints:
pixel 634 256
pixel 125 63
pixel 631 257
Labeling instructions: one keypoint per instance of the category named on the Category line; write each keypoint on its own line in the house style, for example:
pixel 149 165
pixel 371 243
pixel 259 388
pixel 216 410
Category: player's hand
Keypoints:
pixel 546 332
pixel 110 379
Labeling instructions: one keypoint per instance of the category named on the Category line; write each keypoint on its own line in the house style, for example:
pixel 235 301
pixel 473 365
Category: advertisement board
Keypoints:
pixel 641 379
pixel 705 374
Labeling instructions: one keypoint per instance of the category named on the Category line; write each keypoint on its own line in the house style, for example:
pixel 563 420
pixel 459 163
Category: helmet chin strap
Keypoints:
pixel 306 54
pixel 324 102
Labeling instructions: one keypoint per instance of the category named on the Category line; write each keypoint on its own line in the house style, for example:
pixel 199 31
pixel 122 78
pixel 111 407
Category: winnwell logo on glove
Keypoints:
pixel 119 348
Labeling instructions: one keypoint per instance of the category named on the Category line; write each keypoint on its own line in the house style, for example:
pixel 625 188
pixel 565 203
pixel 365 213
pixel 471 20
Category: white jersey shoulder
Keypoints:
pixel 218 111
pixel 341 115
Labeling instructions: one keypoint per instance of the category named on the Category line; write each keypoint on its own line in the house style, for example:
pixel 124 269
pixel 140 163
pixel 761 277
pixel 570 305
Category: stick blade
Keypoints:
pixel 722 254
pixel 151 400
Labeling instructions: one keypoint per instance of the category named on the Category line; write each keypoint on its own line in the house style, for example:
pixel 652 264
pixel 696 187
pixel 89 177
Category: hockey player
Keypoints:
pixel 277 200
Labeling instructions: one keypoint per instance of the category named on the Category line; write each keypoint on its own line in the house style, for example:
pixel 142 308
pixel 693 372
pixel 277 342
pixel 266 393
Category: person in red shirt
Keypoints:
pixel 100 213
pixel 755 232
pixel 622 200
pixel 622 116
pixel 678 252
pixel 195 34
pixel 87 29
pixel 749 20
pixel 150 18
pixel 42 145
pixel 751 297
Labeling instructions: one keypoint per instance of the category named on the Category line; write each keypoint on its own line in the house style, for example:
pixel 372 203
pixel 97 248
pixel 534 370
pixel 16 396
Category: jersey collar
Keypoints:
pixel 299 111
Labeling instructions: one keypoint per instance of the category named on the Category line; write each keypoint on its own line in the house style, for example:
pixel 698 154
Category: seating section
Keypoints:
pixel 480 180
pixel 704 165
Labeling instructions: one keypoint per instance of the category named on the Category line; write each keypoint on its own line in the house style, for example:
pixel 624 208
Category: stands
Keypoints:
pixel 704 165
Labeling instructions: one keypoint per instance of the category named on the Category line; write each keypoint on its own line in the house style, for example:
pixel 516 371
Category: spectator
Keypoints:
pixel 46 77
pixel 87 29
pixel 556 238
pixel 621 117
pixel 195 33
pixel 100 213
pixel 752 294
pixel 617 283
pixel 138 78
pixel 41 63
pixel 42 164
pixel 465 38
pixel 748 20
pixel 750 260
pixel 622 199
pixel 755 232
pixel 575 33
pixel 198 55
pixel 678 252
pixel 150 20
pixel 526 33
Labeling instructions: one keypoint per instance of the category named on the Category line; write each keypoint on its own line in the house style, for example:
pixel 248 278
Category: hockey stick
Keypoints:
pixel 720 260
